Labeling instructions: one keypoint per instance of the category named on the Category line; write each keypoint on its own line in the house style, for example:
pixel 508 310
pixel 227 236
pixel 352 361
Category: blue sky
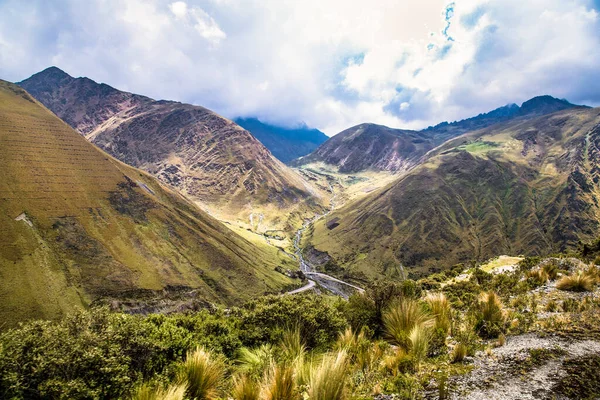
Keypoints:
pixel 329 63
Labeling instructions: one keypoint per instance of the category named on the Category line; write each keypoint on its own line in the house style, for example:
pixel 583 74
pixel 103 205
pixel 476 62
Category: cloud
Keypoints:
pixel 330 63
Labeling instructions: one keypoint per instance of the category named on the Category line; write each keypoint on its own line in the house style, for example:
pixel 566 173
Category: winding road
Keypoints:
pixel 334 285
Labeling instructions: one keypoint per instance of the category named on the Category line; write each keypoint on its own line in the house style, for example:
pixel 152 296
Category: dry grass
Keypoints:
pixel 245 388
pixel 491 308
pixel 539 276
pixel 147 392
pixel 203 374
pixel 491 315
pixel 440 308
pixel 400 320
pixel 291 345
pixel 280 383
pixel 577 282
pixel 458 353
pixel 328 379
pixel 419 336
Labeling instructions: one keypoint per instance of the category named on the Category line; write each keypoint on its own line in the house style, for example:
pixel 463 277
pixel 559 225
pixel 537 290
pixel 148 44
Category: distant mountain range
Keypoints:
pixel 377 147
pixel 526 185
pixel 205 156
pixel 285 143
pixel 79 227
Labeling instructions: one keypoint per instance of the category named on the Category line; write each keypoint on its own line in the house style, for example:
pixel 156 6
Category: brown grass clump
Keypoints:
pixel 147 392
pixel 491 315
pixel 577 282
pixel 440 308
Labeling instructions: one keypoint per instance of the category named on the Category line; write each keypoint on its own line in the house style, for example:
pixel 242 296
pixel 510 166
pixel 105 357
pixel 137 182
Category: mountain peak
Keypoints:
pixel 53 74
pixel 544 105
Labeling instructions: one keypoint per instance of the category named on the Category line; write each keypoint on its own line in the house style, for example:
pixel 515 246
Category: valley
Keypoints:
pixel 434 264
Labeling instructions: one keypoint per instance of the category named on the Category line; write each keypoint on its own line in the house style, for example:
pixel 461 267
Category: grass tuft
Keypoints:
pixel 280 383
pixel 328 380
pixel 400 320
pixel 245 388
pixel 148 392
pixel 203 374
pixel 491 315
pixel 577 282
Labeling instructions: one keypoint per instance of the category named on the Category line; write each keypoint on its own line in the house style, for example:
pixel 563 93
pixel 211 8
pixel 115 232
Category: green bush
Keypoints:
pixel 264 320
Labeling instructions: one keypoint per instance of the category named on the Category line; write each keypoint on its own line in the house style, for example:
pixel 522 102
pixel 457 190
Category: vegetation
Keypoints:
pixel 395 338
pixel 578 282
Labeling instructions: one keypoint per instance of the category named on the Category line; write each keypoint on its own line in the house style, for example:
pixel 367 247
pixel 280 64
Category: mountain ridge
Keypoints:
pixel 218 164
pixel 354 154
pixel 80 227
pixel 526 186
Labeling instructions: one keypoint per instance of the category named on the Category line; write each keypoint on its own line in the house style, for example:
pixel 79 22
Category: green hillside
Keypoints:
pixel 78 227
pixel 521 187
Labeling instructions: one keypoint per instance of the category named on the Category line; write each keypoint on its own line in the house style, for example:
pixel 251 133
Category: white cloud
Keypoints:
pixel 179 9
pixel 329 63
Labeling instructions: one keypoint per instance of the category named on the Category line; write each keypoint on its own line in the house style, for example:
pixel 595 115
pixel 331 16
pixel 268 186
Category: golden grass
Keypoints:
pixel 400 320
pixel 440 308
pixel 280 383
pixel 147 392
pixel 328 379
pixel 203 373
pixel 577 282
pixel 245 388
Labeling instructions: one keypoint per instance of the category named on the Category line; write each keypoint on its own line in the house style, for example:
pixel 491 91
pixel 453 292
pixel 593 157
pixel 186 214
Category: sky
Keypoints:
pixel 330 64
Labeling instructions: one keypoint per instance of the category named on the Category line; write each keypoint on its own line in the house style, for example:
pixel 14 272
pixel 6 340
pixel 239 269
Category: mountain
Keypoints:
pixel 79 227
pixel 526 186
pixel 377 147
pixel 212 160
pixel 370 146
pixel 285 143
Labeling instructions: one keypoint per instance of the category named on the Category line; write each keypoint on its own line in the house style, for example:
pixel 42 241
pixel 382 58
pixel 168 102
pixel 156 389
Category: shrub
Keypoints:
pixel 264 320
pixel 328 379
pixel 203 373
pixel 360 311
pixel 537 277
pixel 578 282
pixel 490 315
pixel 401 318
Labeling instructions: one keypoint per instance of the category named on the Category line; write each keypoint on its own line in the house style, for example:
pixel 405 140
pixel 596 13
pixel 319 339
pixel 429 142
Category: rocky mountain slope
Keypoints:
pixel 376 147
pixel 285 143
pixel 205 156
pixel 525 186
pixel 79 227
